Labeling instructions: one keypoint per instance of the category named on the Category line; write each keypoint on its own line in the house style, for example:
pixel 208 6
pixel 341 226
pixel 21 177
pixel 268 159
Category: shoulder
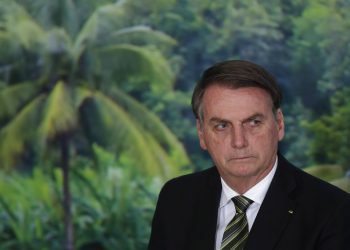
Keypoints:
pixel 323 192
pixel 189 189
pixel 191 182
pixel 315 189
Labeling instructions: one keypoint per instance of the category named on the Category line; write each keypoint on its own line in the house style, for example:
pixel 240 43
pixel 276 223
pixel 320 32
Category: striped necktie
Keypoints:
pixel 237 231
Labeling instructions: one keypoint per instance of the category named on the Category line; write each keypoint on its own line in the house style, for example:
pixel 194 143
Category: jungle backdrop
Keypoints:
pixel 95 105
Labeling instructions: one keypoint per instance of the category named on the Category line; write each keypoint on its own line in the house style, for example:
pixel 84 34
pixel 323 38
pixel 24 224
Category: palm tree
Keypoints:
pixel 62 91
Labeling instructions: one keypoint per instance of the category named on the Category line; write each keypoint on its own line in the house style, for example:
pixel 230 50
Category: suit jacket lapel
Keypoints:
pixel 276 210
pixel 206 210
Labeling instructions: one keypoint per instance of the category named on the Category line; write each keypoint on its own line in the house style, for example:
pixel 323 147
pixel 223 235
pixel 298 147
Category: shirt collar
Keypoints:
pixel 256 193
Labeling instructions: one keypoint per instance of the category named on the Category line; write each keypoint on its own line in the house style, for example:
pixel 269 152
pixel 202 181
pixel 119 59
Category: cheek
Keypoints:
pixel 213 142
pixel 266 140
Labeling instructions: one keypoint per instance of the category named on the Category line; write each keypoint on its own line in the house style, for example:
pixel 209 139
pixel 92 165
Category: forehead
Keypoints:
pixel 224 102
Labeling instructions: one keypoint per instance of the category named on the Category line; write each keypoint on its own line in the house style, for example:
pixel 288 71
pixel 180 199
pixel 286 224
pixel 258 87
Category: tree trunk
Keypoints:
pixel 68 223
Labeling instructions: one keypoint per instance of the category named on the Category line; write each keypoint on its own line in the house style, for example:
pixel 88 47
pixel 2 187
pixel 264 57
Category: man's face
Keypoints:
pixel 240 131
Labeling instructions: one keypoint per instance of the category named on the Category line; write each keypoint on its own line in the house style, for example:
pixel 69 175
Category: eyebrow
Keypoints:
pixel 217 120
pixel 252 117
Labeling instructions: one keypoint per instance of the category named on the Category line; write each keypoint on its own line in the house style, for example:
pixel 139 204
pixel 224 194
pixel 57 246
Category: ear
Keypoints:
pixel 200 131
pixel 280 124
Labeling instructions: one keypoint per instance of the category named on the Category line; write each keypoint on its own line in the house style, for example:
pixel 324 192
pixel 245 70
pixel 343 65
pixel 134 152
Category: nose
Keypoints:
pixel 238 137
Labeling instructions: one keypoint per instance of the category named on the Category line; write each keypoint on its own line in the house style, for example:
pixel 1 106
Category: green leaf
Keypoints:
pixel 153 125
pixel 60 115
pixel 20 130
pixel 119 62
pixel 100 24
pixel 112 127
pixel 140 35
pixel 20 25
pixel 13 97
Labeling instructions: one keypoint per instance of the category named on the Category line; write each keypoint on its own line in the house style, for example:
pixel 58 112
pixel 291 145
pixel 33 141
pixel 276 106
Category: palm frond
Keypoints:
pixel 69 17
pixel 7 49
pixel 21 26
pixel 153 125
pixel 110 126
pixel 58 41
pixel 168 166
pixel 100 24
pixel 14 96
pixel 60 115
pixel 21 130
pixel 139 35
pixel 56 55
pixel 80 94
pixel 92 29
pixel 121 62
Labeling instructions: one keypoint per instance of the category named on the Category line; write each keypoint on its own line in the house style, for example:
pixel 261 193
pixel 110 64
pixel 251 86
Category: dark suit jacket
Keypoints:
pixel 299 212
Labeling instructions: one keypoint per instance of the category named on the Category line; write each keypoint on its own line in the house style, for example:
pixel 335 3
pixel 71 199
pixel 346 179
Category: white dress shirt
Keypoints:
pixel 227 208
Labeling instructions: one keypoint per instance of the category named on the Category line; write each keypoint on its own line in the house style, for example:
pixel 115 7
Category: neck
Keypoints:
pixel 239 185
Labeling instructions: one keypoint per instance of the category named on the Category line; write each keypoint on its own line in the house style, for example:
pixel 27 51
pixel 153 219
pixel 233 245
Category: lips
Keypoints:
pixel 240 158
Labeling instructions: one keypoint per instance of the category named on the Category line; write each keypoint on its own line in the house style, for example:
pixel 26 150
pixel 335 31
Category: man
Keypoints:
pixel 253 198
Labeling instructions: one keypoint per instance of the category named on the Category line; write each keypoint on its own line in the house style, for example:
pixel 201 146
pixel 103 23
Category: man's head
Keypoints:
pixel 236 74
pixel 239 121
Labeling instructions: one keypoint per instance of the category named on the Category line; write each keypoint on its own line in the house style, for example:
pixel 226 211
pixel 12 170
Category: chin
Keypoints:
pixel 242 170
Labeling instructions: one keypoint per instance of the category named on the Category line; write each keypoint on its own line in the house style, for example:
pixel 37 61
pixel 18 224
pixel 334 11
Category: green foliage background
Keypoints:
pixel 114 80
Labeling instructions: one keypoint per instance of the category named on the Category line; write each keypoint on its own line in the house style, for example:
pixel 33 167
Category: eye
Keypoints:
pixel 254 122
pixel 221 126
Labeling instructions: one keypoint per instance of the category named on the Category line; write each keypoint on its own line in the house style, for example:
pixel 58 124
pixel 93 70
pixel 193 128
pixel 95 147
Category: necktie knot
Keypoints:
pixel 241 203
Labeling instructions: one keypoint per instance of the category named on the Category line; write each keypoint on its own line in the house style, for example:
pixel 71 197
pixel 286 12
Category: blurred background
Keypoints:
pixel 95 105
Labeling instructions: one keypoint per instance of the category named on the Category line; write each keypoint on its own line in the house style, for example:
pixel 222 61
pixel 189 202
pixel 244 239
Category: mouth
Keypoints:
pixel 240 158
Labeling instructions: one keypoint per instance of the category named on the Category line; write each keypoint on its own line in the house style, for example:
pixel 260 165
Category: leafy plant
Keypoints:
pixel 331 132
pixel 70 95
pixel 112 206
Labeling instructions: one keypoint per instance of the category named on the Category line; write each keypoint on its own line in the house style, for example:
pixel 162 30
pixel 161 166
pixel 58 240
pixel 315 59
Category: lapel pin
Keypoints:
pixel 291 211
